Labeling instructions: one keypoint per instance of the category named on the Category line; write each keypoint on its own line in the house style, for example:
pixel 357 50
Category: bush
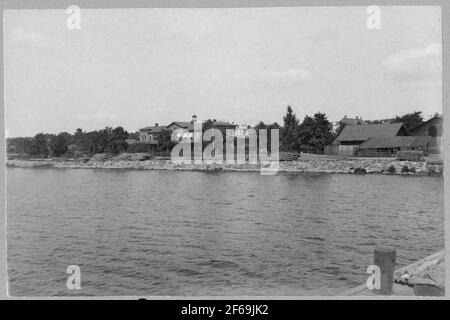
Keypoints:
pixel 140 147
pixel 360 171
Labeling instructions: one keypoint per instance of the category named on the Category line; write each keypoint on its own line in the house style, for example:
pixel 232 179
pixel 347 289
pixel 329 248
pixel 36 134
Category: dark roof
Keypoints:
pixel 154 129
pixel 189 126
pixel 421 141
pixel 394 142
pixel 364 132
pixel 181 124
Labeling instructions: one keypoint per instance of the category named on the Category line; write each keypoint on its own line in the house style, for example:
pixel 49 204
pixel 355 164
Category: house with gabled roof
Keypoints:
pixel 353 136
pixel 150 134
pixel 356 134
pixel 378 140
pixel 181 125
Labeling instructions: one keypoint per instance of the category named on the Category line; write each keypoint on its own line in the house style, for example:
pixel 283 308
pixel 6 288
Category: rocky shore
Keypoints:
pixel 318 165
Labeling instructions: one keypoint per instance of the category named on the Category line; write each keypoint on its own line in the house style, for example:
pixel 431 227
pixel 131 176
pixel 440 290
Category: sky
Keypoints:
pixel 137 67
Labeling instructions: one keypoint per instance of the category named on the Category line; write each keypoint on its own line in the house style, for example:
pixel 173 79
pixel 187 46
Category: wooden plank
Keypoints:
pixel 400 287
pixel 384 258
pixel 397 290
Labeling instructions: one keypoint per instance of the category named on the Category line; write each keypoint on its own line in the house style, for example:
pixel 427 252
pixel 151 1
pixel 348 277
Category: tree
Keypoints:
pixel 339 129
pixel 20 145
pixel 410 120
pixel 78 137
pixel 40 145
pixel 315 133
pixel 165 142
pixel 305 133
pixel 323 132
pixel 58 144
pixel 289 132
pixel 116 140
pixel 89 142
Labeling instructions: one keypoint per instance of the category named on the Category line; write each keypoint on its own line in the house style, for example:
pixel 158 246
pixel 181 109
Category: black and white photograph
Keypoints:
pixel 292 151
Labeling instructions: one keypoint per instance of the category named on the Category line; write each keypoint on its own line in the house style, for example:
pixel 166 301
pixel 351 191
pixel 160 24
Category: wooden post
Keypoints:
pixel 384 258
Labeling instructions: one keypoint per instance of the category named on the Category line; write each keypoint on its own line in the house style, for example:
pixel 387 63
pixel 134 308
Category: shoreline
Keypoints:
pixel 319 165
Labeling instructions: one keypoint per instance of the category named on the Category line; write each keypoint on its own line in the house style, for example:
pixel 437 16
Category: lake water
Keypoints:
pixel 195 233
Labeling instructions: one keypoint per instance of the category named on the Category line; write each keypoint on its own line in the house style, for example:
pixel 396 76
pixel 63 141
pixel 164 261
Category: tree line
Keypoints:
pixel 107 140
pixel 310 135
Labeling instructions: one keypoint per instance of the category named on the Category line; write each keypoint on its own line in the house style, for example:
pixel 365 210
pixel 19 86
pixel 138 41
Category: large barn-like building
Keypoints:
pixel 387 139
pixel 356 134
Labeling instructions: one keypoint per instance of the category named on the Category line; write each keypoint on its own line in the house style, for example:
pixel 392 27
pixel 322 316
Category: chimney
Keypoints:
pixel 345 117
pixel 214 120
pixel 156 124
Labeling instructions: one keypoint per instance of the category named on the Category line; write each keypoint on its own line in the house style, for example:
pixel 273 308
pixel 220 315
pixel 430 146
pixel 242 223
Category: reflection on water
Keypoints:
pixel 191 233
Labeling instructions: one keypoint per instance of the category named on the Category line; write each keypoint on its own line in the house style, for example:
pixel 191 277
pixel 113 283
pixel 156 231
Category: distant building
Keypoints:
pixel 223 125
pixel 387 139
pixel 181 125
pixel 242 130
pixel 433 128
pixel 348 121
pixel 150 134
pixel 352 121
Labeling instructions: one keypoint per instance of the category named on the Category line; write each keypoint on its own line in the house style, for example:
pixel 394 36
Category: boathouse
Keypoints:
pixel 352 136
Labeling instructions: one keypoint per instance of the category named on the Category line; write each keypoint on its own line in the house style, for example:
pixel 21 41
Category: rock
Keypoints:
pixel 390 170
pixel 359 171
pixel 145 161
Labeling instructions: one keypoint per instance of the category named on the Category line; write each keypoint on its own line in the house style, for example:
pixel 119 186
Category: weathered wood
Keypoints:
pixel 384 258
pixel 363 291
pixel 402 274
pixel 401 286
